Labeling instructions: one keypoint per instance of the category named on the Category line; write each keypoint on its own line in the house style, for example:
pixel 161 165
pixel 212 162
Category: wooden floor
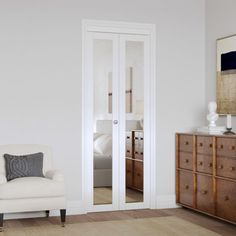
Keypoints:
pixel 103 195
pixel 220 227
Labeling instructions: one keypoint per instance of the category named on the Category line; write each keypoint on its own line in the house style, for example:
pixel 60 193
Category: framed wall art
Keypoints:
pixel 226 75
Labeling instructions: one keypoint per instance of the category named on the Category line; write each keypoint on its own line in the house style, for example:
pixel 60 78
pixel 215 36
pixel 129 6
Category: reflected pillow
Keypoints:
pixel 96 135
pixel 103 144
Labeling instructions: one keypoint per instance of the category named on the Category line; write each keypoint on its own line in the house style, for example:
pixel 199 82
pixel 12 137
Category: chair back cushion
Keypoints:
pixel 25 149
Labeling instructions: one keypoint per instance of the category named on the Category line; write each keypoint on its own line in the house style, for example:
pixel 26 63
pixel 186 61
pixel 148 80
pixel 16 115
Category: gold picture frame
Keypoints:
pixel 226 75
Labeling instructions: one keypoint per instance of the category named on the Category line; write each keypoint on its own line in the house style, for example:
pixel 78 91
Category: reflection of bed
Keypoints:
pixel 103 151
pixel 102 170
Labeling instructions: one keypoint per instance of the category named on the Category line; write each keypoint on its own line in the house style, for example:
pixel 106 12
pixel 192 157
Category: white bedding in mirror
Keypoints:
pixel 102 161
pixel 102 144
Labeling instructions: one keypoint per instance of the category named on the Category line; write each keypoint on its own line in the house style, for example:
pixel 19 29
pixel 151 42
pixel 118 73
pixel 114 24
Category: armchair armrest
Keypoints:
pixel 3 178
pixel 55 175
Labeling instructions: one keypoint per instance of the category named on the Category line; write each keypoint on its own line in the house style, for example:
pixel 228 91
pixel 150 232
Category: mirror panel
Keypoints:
pixel 102 139
pixel 134 63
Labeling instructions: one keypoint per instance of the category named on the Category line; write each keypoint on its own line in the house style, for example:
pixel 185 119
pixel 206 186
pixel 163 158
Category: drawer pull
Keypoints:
pixel 128 151
pixel 210 165
pixel 141 153
pixel 210 145
pixel 232 148
pixel 200 163
pixel 200 144
pixel 186 143
pixel 226 198
pixel 221 146
pixel 141 138
pixel 186 186
pixel 128 171
pixel 204 192
pixel 138 174
pixel 186 160
pixel 221 167
pixel 232 168
pixel 136 138
pixel 136 152
pixel 128 137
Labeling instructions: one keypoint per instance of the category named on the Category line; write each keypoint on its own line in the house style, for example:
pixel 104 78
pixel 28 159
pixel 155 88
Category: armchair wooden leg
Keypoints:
pixel 63 217
pixel 47 213
pixel 1 222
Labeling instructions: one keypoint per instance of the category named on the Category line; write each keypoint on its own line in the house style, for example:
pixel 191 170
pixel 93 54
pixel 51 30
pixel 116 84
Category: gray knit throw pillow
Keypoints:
pixel 23 166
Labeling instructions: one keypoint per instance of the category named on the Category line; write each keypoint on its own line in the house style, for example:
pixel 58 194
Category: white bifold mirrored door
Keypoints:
pixel 119 134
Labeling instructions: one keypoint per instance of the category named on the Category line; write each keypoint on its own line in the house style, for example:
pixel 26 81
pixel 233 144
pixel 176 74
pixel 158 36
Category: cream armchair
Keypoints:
pixel 31 193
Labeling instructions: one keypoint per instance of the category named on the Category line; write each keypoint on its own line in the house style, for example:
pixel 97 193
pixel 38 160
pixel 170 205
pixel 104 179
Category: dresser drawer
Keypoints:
pixel 138 153
pixel 186 143
pixel 226 147
pixel 138 175
pixel 138 138
pixel 186 160
pixel 128 150
pixel 129 144
pixel 204 145
pixel 129 173
pixel 141 136
pixel 138 145
pixel 186 189
pixel 204 164
pixel 129 137
pixel 226 167
pixel 205 199
pixel 226 203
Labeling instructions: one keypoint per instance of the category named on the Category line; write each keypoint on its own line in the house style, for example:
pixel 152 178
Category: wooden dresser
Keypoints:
pixel 134 160
pixel 206 174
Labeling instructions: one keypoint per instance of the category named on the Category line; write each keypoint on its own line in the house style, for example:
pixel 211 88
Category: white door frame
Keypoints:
pixel 89 26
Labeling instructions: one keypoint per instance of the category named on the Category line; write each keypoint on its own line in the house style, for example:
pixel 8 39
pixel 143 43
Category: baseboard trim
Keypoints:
pixel 77 208
pixel 166 201
pixel 73 208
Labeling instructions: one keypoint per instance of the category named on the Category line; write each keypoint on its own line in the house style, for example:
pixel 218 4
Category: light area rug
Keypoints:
pixel 163 226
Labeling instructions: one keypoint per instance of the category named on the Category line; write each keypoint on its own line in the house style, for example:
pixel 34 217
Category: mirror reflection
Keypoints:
pixel 102 141
pixel 134 122
pixel 134 107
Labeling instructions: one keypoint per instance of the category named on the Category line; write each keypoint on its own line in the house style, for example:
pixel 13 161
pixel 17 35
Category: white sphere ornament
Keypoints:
pixel 212 116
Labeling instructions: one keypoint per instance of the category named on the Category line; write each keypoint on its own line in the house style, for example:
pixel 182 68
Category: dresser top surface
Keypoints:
pixel 206 134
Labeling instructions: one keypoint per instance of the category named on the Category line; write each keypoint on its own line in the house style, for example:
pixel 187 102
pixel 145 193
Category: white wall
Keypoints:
pixel 220 22
pixel 40 75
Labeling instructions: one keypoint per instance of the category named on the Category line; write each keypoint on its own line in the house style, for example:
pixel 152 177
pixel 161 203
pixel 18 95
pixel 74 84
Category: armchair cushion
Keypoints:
pixel 31 187
pixel 23 165
pixel 55 175
pixel 3 179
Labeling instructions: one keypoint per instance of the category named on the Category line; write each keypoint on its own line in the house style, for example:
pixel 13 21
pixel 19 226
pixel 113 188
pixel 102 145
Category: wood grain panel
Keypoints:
pixel 226 199
pixel 226 167
pixel 204 145
pixel 204 163
pixel 185 160
pixel 129 146
pixel 129 173
pixel 205 198
pixel 226 147
pixel 186 189
pixel 185 143
pixel 138 175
